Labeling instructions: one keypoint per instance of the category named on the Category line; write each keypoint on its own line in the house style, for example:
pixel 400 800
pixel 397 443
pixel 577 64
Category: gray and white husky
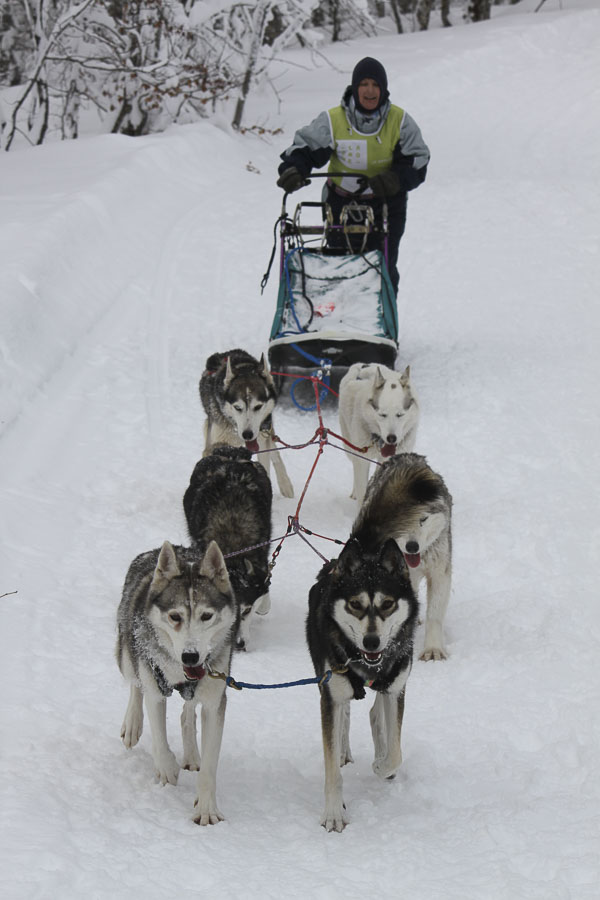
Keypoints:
pixel 378 409
pixel 408 501
pixel 178 617
pixel 228 500
pixel 361 620
pixel 238 395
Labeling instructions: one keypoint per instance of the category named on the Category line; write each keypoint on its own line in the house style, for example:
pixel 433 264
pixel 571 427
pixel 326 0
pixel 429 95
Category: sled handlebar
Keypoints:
pixel 352 195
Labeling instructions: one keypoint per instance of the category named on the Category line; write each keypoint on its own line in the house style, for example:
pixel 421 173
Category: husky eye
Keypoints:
pixel 386 605
pixel 206 617
pixel 258 407
pixel 238 407
pixel 175 618
pixel 423 520
pixel 356 605
pixel 383 415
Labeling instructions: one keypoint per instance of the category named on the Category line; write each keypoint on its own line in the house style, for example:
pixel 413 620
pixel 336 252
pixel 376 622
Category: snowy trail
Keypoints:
pixel 144 257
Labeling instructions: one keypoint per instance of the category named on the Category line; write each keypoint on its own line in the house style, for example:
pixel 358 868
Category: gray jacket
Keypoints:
pixel 314 143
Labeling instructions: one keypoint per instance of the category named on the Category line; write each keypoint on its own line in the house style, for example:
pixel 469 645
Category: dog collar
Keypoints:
pixel 362 681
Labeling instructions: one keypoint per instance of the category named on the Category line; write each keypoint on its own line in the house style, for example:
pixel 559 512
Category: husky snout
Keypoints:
pixel 412 553
pixel 371 650
pixel 371 642
pixel 192 669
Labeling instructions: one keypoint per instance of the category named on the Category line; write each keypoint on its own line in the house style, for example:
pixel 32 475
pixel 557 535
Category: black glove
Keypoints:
pixel 385 185
pixel 291 180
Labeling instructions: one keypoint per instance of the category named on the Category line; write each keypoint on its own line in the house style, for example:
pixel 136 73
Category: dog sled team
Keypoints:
pixel 184 610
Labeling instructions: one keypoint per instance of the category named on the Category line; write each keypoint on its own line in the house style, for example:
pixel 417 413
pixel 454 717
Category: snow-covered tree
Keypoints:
pixel 135 62
pixel 47 25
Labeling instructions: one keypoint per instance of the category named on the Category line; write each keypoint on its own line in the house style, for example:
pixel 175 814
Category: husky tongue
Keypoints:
pixel 252 446
pixel 388 450
pixel 194 673
pixel 412 559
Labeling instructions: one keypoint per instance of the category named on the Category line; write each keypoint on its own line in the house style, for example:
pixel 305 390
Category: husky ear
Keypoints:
pixel 248 565
pixel 228 374
pixel 166 569
pixel 379 380
pixel 391 558
pixel 405 377
pixel 350 559
pixel 264 368
pixel 213 567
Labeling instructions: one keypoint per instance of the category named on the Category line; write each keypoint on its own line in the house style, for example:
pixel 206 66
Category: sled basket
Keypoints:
pixel 335 307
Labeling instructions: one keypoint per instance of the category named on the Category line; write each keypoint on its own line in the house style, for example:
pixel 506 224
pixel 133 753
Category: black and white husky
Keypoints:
pixel 408 501
pixel 379 410
pixel 238 395
pixel 361 621
pixel 229 501
pixel 177 617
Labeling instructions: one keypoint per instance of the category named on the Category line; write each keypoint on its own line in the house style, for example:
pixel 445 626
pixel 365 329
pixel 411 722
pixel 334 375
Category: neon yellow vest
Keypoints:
pixel 358 153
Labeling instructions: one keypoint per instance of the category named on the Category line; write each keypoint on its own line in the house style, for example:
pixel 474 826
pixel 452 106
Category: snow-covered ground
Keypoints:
pixel 123 264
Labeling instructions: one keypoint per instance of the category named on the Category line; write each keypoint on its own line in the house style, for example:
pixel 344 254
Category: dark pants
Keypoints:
pixel 396 223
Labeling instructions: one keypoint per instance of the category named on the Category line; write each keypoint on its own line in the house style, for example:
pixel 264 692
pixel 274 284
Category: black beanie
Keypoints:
pixel 369 68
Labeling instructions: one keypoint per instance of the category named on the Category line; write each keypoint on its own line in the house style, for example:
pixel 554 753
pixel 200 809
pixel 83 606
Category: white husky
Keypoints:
pixel 379 410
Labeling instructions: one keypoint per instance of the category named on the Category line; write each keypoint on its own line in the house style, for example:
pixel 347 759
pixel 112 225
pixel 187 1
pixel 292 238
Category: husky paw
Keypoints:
pixel 383 768
pixel 191 763
pixel 430 653
pixel 131 729
pixel 207 813
pixel 334 819
pixel 345 758
pixel 285 486
pixel 167 769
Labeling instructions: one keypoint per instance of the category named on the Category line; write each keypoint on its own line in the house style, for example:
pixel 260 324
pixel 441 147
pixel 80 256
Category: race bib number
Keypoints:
pixel 353 154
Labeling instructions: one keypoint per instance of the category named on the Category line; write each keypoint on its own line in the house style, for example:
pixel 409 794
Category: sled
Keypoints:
pixel 336 305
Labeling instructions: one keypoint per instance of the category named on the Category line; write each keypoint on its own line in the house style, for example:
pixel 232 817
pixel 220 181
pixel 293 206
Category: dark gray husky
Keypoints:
pixel 408 501
pixel 361 622
pixel 238 395
pixel 229 501
pixel 178 617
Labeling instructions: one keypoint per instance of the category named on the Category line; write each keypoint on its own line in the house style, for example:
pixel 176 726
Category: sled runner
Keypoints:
pixel 336 305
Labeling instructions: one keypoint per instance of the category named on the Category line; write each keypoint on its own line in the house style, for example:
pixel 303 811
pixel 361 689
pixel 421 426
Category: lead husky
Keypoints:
pixel 238 395
pixel 408 501
pixel 361 621
pixel 229 501
pixel 378 408
pixel 177 617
